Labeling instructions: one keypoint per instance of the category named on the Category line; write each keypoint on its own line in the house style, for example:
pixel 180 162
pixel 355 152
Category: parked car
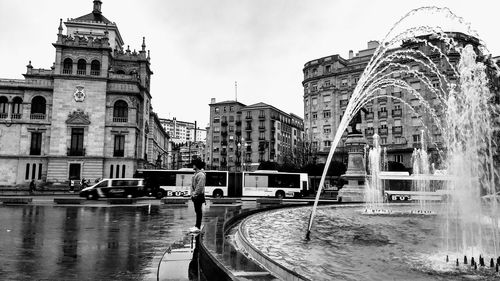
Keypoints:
pixel 124 187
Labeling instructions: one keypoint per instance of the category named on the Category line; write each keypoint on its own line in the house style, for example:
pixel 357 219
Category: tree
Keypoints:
pixel 268 165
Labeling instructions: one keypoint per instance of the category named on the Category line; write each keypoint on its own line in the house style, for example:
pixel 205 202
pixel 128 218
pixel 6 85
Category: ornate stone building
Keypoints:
pixel 87 116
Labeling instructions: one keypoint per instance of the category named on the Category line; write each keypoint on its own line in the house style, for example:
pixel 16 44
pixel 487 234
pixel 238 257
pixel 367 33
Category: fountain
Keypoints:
pixel 401 242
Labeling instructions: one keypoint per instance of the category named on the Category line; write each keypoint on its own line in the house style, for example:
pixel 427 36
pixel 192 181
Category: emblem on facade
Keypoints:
pixel 78 117
pixel 79 93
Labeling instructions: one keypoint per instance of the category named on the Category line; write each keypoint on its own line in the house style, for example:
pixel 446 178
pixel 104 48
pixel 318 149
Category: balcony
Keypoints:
pixel 37 116
pixel 224 142
pixel 382 114
pixel 369 131
pixel 343 103
pixel 95 72
pixel 3 115
pixel 223 133
pixel 262 138
pixel 118 153
pixel 223 152
pixel 262 128
pixel 16 115
pixel 238 132
pixel 223 123
pixel 67 71
pixel 238 122
pixel 248 117
pixel 262 117
pixel 383 131
pixel 397 113
pixel 81 72
pixel 369 116
pixel 397 130
pixel 76 151
pixel 120 119
pixel 248 128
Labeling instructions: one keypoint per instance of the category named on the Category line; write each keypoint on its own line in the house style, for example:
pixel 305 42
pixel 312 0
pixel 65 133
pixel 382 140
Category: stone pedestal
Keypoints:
pixel 354 190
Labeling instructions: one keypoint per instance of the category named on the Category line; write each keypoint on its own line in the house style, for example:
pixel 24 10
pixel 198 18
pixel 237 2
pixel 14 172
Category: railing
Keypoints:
pixel 95 72
pixel 397 113
pixel 37 116
pixel 262 116
pixel 382 114
pixel 369 116
pixel 76 151
pixel 120 119
pixel 369 131
pixel 81 71
pixel 223 123
pixel 238 122
pixel 3 115
pixel 67 71
pixel 248 117
pixel 118 153
pixel 262 128
pixel 16 115
pixel 238 132
pixel 397 130
pixel 248 128
pixel 383 131
pixel 262 138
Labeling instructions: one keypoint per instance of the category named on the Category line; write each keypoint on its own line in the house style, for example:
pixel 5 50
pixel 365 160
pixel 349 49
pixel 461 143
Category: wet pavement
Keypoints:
pixel 97 241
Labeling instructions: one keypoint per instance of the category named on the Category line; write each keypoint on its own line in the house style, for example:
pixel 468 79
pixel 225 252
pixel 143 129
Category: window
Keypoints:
pixel 314 115
pixel 383 140
pixel 262 135
pixel 76 148
pixel 119 148
pixel 40 171
pixel 398 158
pixel 327 129
pixel 261 124
pixel 81 67
pixel 36 144
pixel 27 174
pixel 117 174
pixel 231 128
pixel 314 101
pixel 120 111
pixel 16 108
pixel 123 175
pixel 416 138
pixel 216 129
pixel 306 102
pixel 38 108
pixel 306 116
pixel 67 66
pixel 224 109
pixel 327 114
pixel 231 108
pixel 261 113
pixel 110 172
pixel 327 98
pixel 33 171
pixel 4 107
pixel 95 68
pixel 231 118
pixel 327 143
pixel 216 120
pixel 217 110
pixel 328 68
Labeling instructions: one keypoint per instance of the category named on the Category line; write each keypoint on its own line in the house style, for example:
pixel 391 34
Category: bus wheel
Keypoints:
pixel 217 193
pixel 159 194
pixel 280 194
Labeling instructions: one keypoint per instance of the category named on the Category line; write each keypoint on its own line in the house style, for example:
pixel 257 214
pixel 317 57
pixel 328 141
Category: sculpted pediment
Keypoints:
pixel 78 117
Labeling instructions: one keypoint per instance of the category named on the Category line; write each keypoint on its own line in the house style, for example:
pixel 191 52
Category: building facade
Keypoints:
pixel 183 131
pixel 241 137
pixel 329 82
pixel 88 116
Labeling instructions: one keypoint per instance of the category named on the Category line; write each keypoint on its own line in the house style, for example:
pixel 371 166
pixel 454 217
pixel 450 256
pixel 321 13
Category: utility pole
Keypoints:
pixel 236 90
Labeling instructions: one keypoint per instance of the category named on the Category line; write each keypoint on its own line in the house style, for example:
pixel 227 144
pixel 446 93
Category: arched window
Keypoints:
pixel 4 107
pixel 38 108
pixel 120 72
pixel 95 68
pixel 17 107
pixel 67 66
pixel 120 111
pixel 81 68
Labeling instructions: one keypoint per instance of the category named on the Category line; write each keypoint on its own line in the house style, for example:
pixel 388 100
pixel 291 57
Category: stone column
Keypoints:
pixel 354 190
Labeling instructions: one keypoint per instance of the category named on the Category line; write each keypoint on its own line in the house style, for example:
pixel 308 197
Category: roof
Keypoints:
pixel 259 104
pixel 228 102
pixel 93 17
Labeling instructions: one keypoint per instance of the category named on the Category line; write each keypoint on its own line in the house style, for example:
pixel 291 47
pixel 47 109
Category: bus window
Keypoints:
pixel 284 181
pixel 166 179
pixel 256 180
pixel 184 179
pixel 215 179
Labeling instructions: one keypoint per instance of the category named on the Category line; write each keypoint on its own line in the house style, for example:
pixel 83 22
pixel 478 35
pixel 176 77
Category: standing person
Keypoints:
pixel 198 192
pixel 32 186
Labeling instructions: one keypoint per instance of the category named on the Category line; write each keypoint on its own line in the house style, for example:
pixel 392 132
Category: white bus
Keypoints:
pixel 160 183
pixel 274 183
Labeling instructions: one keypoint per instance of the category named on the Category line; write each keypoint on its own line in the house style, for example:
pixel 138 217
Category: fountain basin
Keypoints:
pixel 347 245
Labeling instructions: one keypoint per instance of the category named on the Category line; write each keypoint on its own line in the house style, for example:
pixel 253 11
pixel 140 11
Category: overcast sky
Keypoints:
pixel 199 48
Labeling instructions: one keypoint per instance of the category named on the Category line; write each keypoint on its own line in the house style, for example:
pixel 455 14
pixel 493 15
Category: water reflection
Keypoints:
pixel 86 243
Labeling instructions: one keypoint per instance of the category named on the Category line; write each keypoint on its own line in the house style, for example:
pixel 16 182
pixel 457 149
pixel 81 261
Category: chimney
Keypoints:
pixel 351 54
pixel 212 100
pixel 97 7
